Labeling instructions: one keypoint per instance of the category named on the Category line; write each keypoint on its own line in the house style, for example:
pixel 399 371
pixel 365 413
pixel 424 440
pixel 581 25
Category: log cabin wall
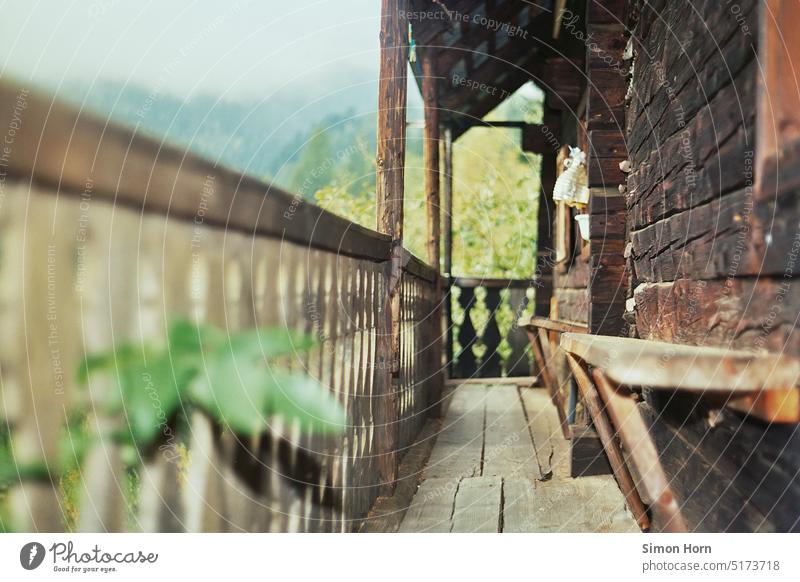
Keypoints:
pixel 591 279
pixel 700 251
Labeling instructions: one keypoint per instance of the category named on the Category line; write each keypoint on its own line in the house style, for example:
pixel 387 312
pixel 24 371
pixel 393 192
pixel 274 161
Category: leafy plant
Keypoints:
pixel 231 377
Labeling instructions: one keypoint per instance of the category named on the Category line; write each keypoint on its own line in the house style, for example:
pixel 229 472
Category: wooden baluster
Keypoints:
pixel 160 507
pixel 491 365
pixel 518 363
pixel 101 494
pixel 465 366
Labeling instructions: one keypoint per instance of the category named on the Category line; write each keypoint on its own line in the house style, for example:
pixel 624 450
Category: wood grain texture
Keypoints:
pixel 660 365
pixel 508 448
pixel 608 434
pixel 478 505
pixel 644 456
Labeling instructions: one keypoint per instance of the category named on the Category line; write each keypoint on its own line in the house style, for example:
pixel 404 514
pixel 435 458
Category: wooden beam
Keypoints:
pixel 545 254
pixel 699 369
pixel 644 456
pixel 552 324
pixel 493 283
pixel 433 213
pixel 555 393
pixel 778 106
pixel 558 13
pixel 539 139
pixel 431 157
pixel 526 381
pixel 447 154
pixel 392 92
pixel 607 436
pixel 447 149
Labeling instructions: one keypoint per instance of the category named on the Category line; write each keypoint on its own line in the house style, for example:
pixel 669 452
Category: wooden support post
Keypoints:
pixel 431 162
pixel 607 436
pixel 545 255
pixel 447 150
pixel 644 456
pixel 547 350
pixel 392 91
pixel 431 158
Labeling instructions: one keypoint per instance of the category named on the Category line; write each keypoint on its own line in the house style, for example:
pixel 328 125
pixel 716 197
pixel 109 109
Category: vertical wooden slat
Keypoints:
pixel 518 361
pixel 106 252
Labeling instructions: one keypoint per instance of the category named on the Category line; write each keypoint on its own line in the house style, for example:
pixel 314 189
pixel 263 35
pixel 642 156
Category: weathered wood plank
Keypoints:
pixel 552 324
pixel 644 456
pixel 552 449
pixel 508 448
pixel 635 362
pixel 592 504
pixel 478 505
pixel 431 509
pixel 519 505
pixel 459 445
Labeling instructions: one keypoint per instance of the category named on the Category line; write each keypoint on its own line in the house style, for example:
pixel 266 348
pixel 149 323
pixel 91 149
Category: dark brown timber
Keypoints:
pixel 392 90
pixel 433 212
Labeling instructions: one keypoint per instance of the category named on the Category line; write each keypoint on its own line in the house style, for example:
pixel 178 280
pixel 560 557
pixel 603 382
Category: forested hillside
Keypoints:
pixel 323 148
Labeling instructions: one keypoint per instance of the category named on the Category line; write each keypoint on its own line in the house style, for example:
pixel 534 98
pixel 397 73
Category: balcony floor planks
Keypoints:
pixel 484 472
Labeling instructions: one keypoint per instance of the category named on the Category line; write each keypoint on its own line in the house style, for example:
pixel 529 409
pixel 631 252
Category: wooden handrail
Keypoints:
pixel 492 283
pixel 417 267
pixel 552 324
pixel 59 146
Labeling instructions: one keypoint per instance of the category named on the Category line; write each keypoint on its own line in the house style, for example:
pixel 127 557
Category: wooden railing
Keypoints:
pixel 483 313
pixel 106 235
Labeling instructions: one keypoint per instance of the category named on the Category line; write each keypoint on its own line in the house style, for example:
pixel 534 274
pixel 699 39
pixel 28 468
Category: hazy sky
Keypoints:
pixel 237 47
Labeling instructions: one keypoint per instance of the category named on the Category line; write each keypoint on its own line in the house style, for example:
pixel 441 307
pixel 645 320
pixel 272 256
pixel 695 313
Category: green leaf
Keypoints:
pixel 270 343
pixel 149 396
pixel 302 398
pixel 234 389
pixel 12 471
pixel 187 337
pixel 94 363
pixel 240 391
pixel 226 375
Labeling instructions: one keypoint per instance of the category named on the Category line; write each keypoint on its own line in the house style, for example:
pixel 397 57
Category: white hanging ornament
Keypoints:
pixel 572 185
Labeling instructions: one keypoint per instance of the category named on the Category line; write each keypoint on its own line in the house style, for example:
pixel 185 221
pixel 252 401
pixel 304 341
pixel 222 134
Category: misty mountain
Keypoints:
pixel 263 137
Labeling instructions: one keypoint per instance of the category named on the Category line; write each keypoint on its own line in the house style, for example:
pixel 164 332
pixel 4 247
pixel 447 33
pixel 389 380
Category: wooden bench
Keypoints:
pixel 544 334
pixel 763 386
